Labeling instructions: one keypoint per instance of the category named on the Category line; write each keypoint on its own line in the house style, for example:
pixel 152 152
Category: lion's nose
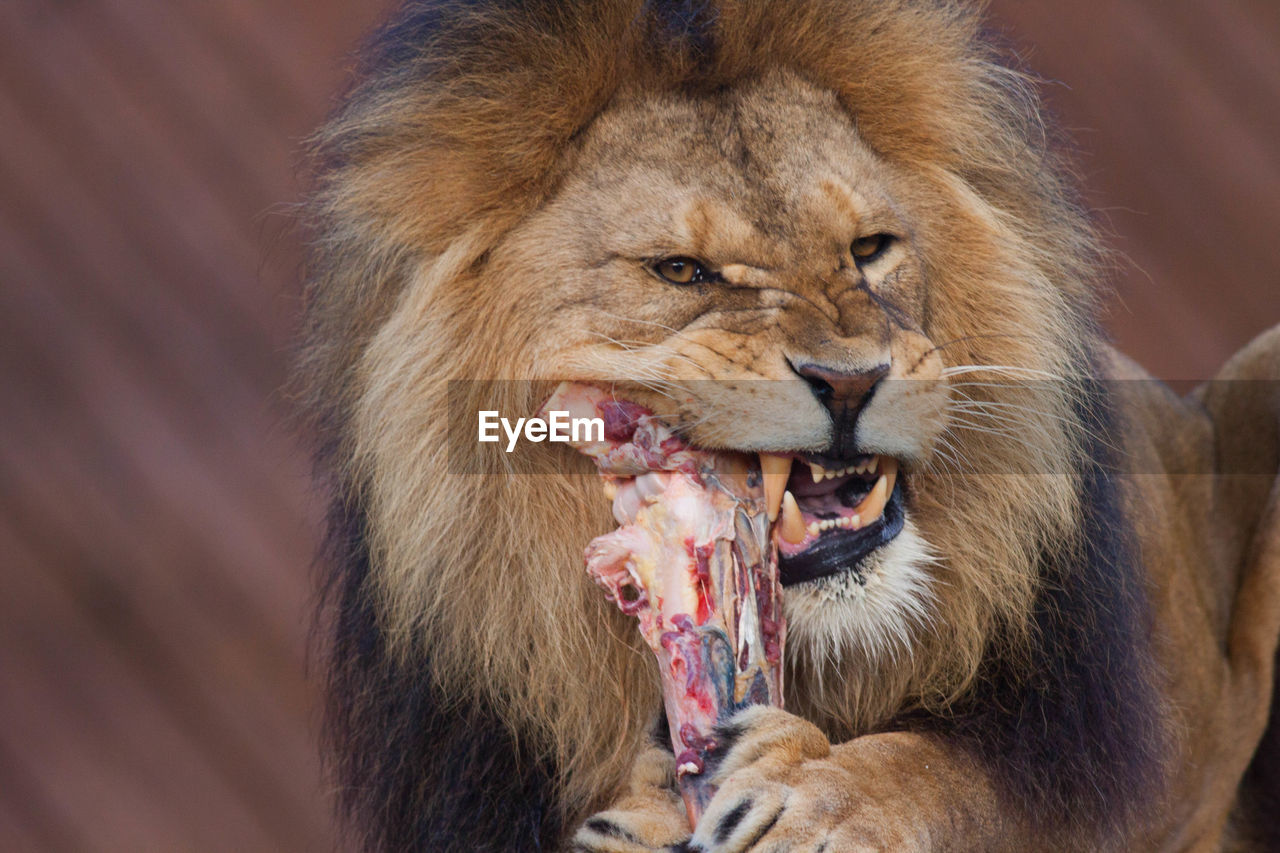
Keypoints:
pixel 845 394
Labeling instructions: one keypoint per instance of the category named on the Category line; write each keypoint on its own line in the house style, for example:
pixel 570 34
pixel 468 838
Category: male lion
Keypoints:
pixel 831 229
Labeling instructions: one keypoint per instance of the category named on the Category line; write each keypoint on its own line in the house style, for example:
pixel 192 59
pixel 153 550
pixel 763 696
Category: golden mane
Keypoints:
pixel 469 115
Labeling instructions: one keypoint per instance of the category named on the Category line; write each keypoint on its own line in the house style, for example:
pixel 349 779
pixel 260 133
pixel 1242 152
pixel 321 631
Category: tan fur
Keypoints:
pixel 649 808
pixel 493 226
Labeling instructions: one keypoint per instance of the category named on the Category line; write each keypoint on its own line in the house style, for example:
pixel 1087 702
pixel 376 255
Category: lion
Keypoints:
pixel 831 229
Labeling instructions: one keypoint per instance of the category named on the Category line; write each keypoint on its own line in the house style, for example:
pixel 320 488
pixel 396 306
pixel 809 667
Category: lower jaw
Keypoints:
pixel 843 551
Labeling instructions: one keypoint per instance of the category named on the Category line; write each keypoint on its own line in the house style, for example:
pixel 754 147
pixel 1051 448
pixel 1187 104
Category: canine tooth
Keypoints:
pixel 775 469
pixel 889 470
pixel 792 525
pixel 873 504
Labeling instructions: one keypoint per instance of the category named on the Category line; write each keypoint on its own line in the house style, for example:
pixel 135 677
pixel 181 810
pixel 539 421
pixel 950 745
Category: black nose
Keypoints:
pixel 845 394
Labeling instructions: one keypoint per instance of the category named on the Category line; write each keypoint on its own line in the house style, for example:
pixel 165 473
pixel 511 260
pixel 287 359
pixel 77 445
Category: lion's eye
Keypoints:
pixel 682 270
pixel 867 249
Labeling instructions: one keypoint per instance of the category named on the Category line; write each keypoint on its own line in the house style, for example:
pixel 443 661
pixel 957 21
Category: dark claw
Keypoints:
pixel 730 821
pixel 609 829
pixel 727 734
pixel 724 737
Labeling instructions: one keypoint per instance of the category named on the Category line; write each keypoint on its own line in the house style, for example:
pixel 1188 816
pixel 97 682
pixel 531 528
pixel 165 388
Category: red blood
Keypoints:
pixel 693 681
pixel 693 739
pixel 701 558
pixel 691 468
pixel 764 606
pixel 772 651
pixel 635 605
pixel 671 445
pixel 620 419
pixel 678 667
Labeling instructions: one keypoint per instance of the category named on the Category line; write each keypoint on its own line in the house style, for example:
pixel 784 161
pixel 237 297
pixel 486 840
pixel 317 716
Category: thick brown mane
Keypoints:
pixel 463 604
pixel 468 112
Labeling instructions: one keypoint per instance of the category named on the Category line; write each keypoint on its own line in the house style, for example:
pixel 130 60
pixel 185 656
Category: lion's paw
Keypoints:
pixel 780 790
pixel 649 817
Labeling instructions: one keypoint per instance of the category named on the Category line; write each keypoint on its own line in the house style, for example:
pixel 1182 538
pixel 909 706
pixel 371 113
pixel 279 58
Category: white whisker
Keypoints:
pixel 961 369
pixel 982 408
pixel 636 320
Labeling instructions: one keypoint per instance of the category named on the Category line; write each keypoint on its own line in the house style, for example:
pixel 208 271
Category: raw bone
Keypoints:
pixel 694 561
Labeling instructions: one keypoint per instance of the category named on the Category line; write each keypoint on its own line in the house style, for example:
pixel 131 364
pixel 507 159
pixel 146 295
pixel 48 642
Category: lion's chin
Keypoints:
pixel 873 607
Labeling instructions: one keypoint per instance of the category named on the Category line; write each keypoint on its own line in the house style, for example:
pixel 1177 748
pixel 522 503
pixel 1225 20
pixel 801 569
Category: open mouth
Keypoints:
pixel 830 515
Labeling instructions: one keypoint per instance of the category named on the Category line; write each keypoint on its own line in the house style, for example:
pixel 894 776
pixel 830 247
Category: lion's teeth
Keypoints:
pixel 814 528
pixel 873 504
pixel 889 470
pixel 775 469
pixel 792 524
pixel 610 489
pixel 819 473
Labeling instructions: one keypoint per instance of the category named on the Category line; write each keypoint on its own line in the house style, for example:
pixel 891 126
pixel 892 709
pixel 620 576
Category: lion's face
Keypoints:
pixel 758 271
pixel 861 259
pixel 736 239
pixel 746 266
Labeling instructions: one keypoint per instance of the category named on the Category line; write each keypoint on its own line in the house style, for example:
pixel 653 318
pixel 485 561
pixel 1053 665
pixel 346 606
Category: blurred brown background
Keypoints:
pixel 156 528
